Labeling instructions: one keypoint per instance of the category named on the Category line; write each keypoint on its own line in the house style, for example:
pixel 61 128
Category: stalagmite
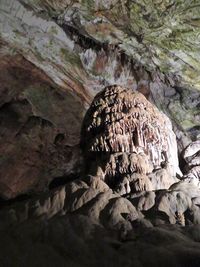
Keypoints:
pixel 131 136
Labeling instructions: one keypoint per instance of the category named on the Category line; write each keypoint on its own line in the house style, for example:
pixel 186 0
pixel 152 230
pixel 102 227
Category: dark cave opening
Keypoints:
pixel 62 180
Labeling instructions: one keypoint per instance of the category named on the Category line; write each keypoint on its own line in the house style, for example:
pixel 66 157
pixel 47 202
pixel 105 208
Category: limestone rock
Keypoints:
pixel 86 215
pixel 35 145
pixel 191 155
pixel 162 178
pixel 190 151
pixel 193 176
pixel 57 64
pixel 124 134
pixel 55 55
pixel 146 201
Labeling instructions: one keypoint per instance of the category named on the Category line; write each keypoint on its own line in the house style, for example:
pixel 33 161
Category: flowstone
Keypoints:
pixel 127 142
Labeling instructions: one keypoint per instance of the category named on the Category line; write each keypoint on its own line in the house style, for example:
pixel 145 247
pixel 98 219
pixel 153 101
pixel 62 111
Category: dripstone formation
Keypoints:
pixel 128 143
pixel 115 213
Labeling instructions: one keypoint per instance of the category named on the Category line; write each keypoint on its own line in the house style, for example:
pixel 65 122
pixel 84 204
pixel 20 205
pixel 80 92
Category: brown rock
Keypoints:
pixel 37 142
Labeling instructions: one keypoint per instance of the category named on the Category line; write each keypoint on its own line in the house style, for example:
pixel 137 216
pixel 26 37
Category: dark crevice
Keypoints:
pixel 84 41
pixel 59 139
pixel 32 122
pixel 18 199
pixel 62 180
pixel 55 183
pixel 194 131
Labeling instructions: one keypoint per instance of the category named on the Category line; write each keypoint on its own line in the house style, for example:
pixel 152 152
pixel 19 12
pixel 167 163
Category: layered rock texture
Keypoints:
pixel 85 223
pixel 121 200
pixel 56 55
pixel 128 139
pixel 36 145
pixel 128 205
pixel 191 155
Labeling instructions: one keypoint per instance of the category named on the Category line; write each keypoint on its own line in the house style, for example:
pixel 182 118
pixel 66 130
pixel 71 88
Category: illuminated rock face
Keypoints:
pixel 126 134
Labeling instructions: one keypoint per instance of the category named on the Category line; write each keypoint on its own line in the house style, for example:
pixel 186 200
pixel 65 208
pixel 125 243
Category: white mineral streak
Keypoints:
pixel 88 58
pixel 192 156
pixel 112 70
pixel 171 149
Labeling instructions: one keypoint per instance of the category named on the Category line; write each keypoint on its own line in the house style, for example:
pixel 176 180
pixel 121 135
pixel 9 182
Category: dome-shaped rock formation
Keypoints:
pixel 124 134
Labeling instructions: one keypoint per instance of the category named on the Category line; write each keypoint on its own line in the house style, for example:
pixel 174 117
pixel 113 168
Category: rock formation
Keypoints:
pixel 35 145
pixel 117 206
pixel 128 208
pixel 129 141
pixel 54 58
pixel 191 154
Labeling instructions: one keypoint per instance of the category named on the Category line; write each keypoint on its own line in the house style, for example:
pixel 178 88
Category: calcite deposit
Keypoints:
pixel 191 156
pixel 127 135
pixel 117 206
pixel 56 55
pixel 127 207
